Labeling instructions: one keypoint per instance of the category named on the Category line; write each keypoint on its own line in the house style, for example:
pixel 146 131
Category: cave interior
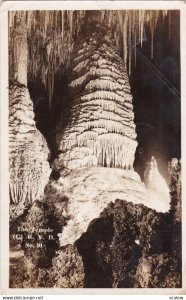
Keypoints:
pixel 154 80
pixel 148 42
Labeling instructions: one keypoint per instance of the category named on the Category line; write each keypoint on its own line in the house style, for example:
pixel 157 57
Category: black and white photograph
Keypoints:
pixel 94 145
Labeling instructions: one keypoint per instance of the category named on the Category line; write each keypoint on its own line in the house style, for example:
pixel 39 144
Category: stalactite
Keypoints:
pixel 130 45
pixel 50 87
pixel 57 30
pixel 62 25
pixel 45 32
pixel 125 48
pixel 142 27
pixel 109 19
pixel 19 49
pixel 70 17
pixel 135 49
pixel 169 16
pixel 153 22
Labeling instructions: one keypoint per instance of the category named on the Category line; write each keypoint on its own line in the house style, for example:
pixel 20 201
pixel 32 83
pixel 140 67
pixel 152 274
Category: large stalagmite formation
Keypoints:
pixel 29 168
pixel 28 150
pixel 99 133
pixel 100 129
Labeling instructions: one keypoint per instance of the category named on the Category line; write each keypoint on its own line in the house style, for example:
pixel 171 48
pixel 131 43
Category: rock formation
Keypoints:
pixel 100 129
pixel 128 246
pixel 156 185
pixel 88 190
pixel 28 150
pixel 99 137
pixel 131 246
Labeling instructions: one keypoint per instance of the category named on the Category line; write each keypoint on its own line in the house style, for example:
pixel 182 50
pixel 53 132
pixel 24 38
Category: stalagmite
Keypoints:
pixel 157 187
pixel 28 151
pixel 101 115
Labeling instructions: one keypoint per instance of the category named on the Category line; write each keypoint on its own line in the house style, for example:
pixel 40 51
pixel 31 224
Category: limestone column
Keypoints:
pixel 18 44
pixel 28 150
pixel 100 128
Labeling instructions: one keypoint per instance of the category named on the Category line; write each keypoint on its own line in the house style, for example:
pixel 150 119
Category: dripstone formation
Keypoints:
pixel 28 150
pixel 100 127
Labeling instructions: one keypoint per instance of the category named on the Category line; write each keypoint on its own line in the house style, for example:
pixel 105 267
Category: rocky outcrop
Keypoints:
pixel 175 189
pixel 99 127
pixel 80 195
pixel 28 150
pixel 69 265
pixel 127 246
pixel 36 259
pixel 131 246
pixel 119 243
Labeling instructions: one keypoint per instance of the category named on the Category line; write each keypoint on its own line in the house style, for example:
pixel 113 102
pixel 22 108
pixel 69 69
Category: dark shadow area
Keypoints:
pixel 97 272
pixel 155 85
pixel 46 118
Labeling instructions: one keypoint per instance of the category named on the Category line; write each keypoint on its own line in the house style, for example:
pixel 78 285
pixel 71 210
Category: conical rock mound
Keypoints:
pixel 28 150
pixel 100 129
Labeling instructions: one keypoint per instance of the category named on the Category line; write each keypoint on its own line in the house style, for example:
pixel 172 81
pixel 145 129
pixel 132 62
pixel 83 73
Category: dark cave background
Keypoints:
pixel 155 86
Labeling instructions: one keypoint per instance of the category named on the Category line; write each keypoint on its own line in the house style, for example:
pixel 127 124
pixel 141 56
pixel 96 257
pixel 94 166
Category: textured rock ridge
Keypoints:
pixel 100 129
pixel 131 246
pixel 28 151
pixel 89 190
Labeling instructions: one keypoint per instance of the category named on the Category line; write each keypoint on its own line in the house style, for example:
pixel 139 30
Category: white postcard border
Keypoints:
pixel 4 176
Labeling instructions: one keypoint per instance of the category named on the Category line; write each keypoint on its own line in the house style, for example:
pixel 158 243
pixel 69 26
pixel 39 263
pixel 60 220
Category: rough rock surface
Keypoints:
pixel 89 190
pixel 49 265
pixel 131 246
pixel 29 168
pixel 67 268
pixel 99 127
pixel 175 189
pixel 127 246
